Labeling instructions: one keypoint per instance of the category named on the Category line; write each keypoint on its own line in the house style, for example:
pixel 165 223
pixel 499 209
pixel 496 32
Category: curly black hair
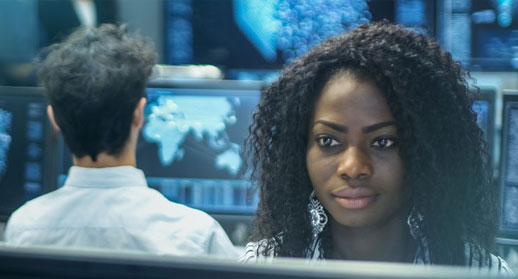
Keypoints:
pixel 93 81
pixel 442 148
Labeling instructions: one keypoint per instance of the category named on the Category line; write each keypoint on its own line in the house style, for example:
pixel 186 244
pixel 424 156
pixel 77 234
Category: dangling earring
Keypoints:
pixel 318 215
pixel 415 223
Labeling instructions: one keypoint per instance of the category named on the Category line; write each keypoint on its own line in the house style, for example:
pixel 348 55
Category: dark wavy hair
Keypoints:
pixel 93 81
pixel 446 163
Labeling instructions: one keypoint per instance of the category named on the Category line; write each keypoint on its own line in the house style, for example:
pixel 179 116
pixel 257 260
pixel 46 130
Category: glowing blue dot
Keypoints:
pixel 504 19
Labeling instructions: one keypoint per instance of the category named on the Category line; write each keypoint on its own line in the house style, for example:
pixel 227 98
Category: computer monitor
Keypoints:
pixel 254 39
pixel 27 167
pixel 482 34
pixel 418 15
pixel 484 106
pixel 192 142
pixel 509 166
pixel 495 35
pixel 55 263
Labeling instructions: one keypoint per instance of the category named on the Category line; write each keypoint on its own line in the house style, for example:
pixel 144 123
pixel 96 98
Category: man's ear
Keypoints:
pixel 138 113
pixel 50 113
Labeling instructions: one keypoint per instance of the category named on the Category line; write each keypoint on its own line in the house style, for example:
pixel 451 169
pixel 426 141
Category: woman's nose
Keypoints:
pixel 355 164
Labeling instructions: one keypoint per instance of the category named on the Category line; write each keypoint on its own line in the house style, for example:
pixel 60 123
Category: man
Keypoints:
pixel 95 83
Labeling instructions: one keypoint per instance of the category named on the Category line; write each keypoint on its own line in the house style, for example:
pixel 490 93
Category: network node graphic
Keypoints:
pixel 292 27
pixel 304 24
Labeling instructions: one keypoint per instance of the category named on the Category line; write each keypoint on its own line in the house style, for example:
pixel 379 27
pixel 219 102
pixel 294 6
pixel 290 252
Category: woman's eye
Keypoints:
pixel 383 143
pixel 327 141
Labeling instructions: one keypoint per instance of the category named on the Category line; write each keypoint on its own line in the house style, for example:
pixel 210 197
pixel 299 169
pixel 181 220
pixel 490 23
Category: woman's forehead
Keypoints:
pixel 351 92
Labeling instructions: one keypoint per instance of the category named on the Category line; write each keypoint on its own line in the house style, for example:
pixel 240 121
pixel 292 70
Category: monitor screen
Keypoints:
pixel 418 15
pixel 26 169
pixel 253 39
pixel 192 142
pixel 509 166
pixel 495 34
pixel 483 34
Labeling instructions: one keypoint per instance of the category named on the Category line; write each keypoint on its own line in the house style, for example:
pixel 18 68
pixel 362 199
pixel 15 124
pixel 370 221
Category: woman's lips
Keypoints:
pixel 354 198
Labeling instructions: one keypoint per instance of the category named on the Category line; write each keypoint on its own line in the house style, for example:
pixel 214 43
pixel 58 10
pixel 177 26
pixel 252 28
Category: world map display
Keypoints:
pixel 195 135
pixel 172 118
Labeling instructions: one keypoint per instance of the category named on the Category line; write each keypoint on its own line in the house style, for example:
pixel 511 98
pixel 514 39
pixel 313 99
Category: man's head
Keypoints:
pixel 94 81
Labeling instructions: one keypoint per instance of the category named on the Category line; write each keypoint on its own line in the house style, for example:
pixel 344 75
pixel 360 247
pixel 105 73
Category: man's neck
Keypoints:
pixel 126 157
pixel 105 160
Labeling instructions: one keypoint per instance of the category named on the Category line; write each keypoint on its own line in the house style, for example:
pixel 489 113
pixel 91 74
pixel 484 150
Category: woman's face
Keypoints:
pixel 353 154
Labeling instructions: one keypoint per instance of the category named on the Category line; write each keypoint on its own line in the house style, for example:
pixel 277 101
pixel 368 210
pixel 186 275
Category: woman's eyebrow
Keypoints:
pixel 332 125
pixel 374 127
pixel 345 129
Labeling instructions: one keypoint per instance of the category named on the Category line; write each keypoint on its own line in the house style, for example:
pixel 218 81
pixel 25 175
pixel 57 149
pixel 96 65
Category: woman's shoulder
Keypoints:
pixel 477 256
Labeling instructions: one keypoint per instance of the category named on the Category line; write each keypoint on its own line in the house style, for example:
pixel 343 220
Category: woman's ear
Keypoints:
pixel 50 114
pixel 138 113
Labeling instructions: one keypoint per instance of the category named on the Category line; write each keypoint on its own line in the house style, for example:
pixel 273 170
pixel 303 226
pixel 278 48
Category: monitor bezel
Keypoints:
pixel 49 262
pixel 507 97
pixel 206 84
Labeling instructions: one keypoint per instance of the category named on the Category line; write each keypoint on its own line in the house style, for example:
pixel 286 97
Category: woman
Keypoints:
pixel 368 149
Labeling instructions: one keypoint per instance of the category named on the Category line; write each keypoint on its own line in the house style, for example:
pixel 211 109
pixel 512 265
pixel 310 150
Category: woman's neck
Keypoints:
pixel 389 242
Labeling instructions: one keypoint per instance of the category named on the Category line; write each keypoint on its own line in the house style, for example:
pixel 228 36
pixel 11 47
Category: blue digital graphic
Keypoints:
pixel 500 46
pixel 304 24
pixel 5 139
pixel 34 130
pixel 495 34
pixel 172 118
pixel 511 207
pixel 33 171
pixel 505 12
pixel 179 34
pixel 482 110
pixel 511 175
pixel 256 20
pixel 34 151
pixel 410 12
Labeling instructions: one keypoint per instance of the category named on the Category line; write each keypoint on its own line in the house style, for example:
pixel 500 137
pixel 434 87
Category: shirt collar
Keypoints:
pixel 123 176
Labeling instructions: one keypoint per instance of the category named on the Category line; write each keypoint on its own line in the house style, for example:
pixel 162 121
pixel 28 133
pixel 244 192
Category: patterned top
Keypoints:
pixel 475 255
